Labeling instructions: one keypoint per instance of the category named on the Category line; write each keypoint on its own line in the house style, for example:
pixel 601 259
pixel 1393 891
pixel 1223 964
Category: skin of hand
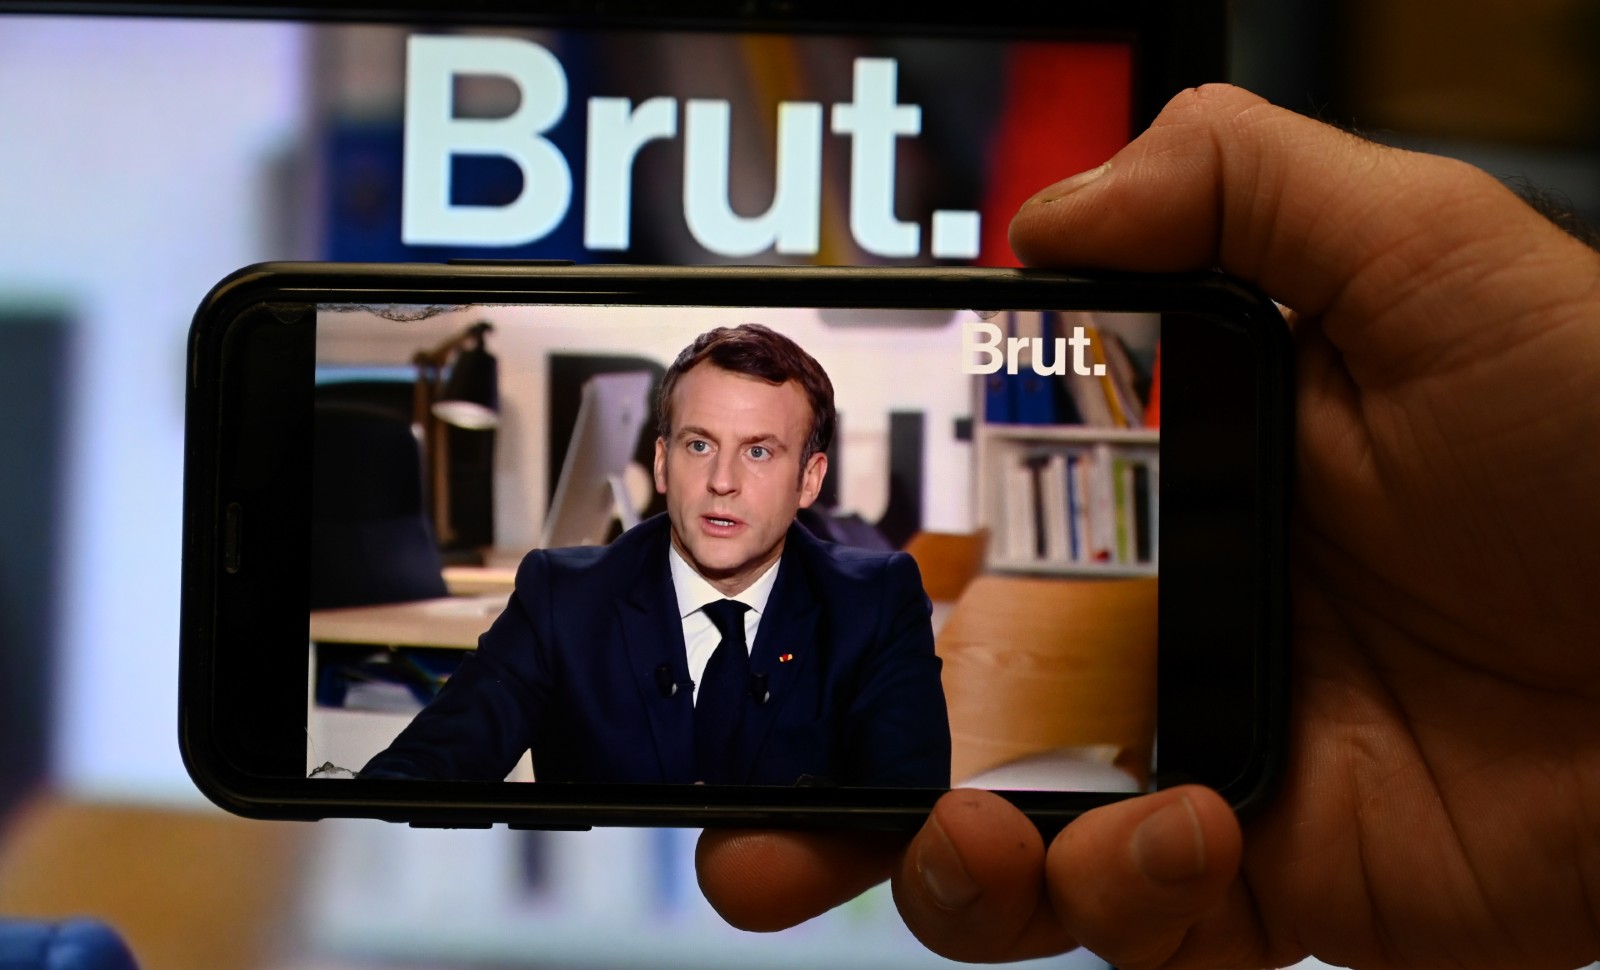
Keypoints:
pixel 1440 805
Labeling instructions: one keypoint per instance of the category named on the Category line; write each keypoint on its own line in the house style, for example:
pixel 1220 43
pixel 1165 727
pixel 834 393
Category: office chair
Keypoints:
pixel 948 561
pixel 370 540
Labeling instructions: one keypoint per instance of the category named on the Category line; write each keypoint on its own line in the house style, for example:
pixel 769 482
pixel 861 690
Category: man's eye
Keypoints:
pixel 699 447
pixel 760 452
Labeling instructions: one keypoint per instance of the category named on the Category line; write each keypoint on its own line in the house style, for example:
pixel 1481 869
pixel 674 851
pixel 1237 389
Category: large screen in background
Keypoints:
pixel 145 158
pixel 681 147
pixel 1020 470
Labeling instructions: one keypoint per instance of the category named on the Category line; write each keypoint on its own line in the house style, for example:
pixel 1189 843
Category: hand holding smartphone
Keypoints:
pixel 619 494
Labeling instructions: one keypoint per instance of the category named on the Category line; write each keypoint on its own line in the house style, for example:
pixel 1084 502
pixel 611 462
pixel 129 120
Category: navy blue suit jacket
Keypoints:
pixel 572 671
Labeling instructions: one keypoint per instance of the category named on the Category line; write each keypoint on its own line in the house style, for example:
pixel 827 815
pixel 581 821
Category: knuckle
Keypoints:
pixel 1207 103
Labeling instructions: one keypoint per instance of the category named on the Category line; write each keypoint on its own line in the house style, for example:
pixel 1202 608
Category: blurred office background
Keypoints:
pixel 142 160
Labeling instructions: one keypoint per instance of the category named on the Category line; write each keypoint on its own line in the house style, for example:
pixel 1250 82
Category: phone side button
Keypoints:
pixel 525 827
pixel 451 825
pixel 230 538
pixel 491 261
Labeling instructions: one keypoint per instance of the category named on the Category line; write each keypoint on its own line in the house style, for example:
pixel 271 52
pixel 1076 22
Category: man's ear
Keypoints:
pixel 661 466
pixel 811 479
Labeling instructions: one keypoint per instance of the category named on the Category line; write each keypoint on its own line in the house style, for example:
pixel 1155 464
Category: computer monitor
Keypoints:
pixel 592 492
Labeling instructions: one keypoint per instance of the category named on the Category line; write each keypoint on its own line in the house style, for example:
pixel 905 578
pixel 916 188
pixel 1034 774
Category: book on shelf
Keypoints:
pixel 1115 391
pixel 1034 398
pixel 1017 512
pixel 1143 521
pixel 1124 379
pixel 1078 505
pixel 997 398
pixel 1088 399
pixel 1090 506
pixel 1122 483
pixel 1032 395
pixel 1102 507
pixel 1152 408
pixel 1037 492
pixel 1055 502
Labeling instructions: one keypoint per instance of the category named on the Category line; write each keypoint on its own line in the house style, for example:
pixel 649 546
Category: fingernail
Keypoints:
pixel 1065 187
pixel 942 872
pixel 1169 846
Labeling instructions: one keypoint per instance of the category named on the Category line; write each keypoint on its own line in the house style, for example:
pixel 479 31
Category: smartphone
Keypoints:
pixel 451 533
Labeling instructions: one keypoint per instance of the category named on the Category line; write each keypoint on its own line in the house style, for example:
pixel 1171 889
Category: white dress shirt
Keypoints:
pixel 700 635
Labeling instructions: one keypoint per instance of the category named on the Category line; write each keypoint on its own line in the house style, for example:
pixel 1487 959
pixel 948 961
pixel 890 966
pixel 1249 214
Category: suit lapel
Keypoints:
pixel 653 634
pixel 786 646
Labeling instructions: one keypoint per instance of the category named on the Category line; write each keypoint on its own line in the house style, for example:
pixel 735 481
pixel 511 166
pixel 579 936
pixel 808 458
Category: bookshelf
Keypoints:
pixel 1063 484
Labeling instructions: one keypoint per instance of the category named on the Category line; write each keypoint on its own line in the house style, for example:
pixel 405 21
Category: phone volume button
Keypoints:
pixel 230 538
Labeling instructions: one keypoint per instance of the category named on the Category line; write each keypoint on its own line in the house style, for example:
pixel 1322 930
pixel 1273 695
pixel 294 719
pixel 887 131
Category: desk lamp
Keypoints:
pixel 469 398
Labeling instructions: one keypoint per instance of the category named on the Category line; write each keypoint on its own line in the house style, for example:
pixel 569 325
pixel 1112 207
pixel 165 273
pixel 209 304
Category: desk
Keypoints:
pixel 453 621
pixel 480 580
pixel 347 738
pixel 498 574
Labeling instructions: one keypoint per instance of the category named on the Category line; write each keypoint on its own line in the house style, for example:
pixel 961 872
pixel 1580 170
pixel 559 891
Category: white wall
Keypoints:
pixel 874 369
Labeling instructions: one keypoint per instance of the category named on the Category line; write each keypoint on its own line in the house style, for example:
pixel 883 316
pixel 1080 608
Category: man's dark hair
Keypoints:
pixel 756 351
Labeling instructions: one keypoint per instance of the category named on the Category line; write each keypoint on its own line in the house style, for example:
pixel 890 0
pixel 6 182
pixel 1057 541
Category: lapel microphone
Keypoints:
pixel 669 688
pixel 666 685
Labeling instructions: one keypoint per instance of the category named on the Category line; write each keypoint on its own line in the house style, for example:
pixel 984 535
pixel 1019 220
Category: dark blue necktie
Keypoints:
pixel 719 700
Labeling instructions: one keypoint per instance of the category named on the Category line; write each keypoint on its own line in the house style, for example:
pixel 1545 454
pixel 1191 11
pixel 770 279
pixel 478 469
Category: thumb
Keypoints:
pixel 1154 882
pixel 1331 225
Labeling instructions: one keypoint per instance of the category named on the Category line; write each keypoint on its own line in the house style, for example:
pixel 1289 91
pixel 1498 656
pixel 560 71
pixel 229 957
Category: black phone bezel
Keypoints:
pixel 250 381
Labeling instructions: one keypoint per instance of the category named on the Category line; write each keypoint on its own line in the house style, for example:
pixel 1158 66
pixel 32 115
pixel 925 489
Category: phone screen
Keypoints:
pixel 506 550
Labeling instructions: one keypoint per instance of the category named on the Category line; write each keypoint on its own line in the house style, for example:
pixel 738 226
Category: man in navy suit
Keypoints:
pixel 718 643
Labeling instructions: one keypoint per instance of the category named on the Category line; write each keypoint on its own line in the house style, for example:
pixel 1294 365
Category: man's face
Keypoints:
pixel 731 472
